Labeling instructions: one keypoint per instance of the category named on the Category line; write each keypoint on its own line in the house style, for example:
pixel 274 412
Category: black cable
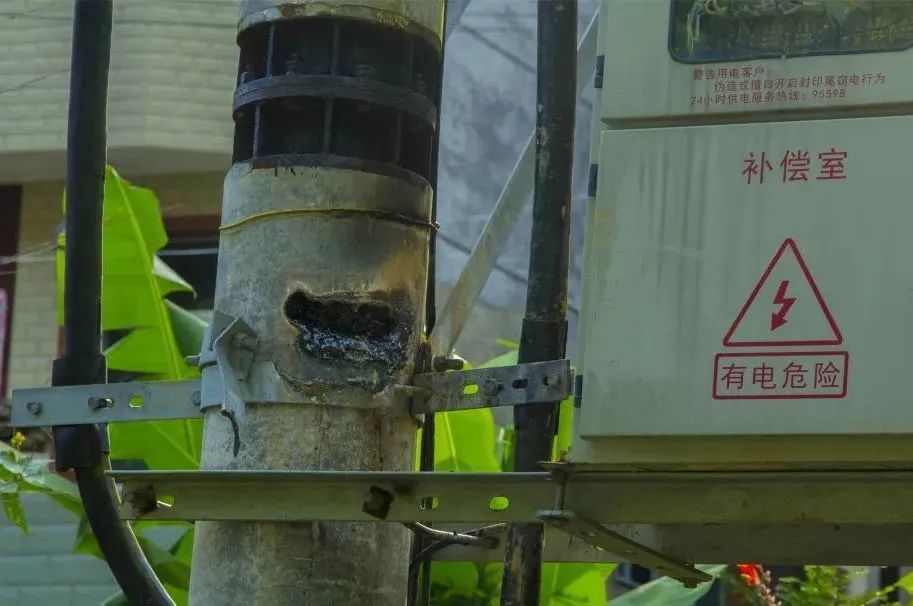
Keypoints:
pixel 429 550
pixel 544 333
pixel 426 448
pixel 84 448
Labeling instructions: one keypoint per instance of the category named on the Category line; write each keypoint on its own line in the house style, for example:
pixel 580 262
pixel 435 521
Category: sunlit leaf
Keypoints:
pixel 12 507
pixel 134 284
pixel 667 592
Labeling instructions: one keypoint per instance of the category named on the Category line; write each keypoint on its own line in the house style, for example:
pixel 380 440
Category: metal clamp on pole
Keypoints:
pixel 231 349
pixel 518 385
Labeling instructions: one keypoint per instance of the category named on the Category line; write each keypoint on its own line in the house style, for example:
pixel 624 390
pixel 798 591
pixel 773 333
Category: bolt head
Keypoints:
pixel 99 403
pixel 491 387
pixel 34 407
pixel 196 398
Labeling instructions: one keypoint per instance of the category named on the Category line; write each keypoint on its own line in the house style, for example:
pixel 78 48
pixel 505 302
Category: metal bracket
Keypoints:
pixel 533 383
pixel 601 537
pixel 106 403
pixel 233 345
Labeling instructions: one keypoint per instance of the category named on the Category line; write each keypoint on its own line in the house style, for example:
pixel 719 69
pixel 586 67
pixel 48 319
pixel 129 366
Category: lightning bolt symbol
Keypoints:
pixel 786 303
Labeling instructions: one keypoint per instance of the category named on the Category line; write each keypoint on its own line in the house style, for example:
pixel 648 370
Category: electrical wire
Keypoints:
pixel 444 542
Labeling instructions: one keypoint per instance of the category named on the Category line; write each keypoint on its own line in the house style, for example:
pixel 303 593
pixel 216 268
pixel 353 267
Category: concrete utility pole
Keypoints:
pixel 326 225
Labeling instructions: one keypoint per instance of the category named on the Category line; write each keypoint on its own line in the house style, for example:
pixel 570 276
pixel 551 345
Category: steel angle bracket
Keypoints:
pixel 601 537
pixel 226 362
pixel 334 496
pixel 106 403
pixel 533 383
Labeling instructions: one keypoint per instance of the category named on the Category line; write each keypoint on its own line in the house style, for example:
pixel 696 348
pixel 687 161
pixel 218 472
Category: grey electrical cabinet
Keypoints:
pixel 747 299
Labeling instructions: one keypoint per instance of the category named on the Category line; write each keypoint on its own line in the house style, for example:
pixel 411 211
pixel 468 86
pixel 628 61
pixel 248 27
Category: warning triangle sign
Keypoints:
pixel 785 307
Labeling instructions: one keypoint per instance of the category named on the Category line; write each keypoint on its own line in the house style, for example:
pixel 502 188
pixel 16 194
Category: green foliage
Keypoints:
pixel 823 586
pixel 134 284
pixel 667 592
pixel 818 586
pixel 20 473
pixel 830 586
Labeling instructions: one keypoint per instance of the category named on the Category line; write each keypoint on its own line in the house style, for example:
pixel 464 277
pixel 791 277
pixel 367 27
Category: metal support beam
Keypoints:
pixel 106 403
pixel 656 498
pixel 488 247
pixel 793 517
pixel 596 534
pixel 355 496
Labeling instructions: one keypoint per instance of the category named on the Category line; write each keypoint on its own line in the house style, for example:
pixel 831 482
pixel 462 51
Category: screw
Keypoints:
pixel 491 387
pixel 34 408
pixel 99 403
pixel 195 399
pixel 365 71
pixel 142 500
pixel 294 64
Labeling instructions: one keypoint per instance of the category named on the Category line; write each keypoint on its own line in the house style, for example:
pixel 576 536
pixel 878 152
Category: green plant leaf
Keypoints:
pixel 117 599
pixel 85 541
pixel 168 568
pixel 667 592
pixel 135 282
pixel 575 583
pixel 188 329
pixel 906 582
pixel 12 507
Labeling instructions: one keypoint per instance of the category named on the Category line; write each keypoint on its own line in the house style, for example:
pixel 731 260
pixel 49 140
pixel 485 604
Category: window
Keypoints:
pixel 192 251
pixel 707 31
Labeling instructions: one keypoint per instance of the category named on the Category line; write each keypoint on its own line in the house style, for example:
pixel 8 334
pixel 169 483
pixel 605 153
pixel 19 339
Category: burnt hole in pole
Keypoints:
pixel 352 328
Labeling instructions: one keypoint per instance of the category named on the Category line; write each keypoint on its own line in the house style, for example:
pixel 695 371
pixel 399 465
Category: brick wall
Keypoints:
pixel 34 327
pixel 173 67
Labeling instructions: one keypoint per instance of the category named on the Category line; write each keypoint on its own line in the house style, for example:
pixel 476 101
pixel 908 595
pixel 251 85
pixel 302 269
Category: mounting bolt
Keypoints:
pixel 34 408
pixel 442 363
pixel 491 387
pixel 377 503
pixel 294 64
pixel 195 398
pixel 553 379
pixel 249 74
pixel 99 403
pixel 142 500
pixel 363 71
pixel 193 361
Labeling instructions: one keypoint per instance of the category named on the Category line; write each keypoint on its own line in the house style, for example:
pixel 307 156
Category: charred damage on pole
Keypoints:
pixel 373 330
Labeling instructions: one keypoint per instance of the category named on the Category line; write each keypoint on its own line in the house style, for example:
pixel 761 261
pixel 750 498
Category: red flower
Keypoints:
pixel 749 572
